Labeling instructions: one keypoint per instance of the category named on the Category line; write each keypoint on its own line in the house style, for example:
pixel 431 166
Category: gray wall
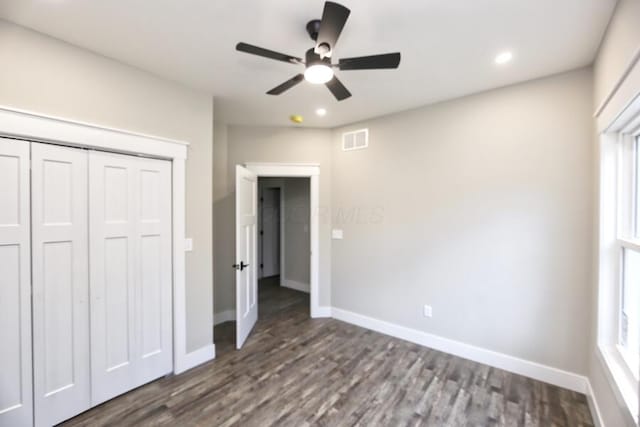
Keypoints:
pixel 244 144
pixel 297 238
pixel 480 207
pixel 46 76
pixel 224 293
pixel 621 42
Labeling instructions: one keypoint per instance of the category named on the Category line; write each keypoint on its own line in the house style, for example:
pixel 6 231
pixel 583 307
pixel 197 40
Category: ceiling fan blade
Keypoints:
pixel 334 17
pixel 255 50
pixel 337 89
pixel 373 62
pixel 286 85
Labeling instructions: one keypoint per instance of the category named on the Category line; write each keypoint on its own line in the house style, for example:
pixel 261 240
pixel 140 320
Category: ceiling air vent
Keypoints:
pixel 356 140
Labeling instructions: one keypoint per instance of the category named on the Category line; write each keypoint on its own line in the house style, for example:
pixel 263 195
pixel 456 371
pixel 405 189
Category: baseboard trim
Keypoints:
pixel 224 316
pixel 323 311
pixel 298 286
pixel 516 365
pixel 594 408
pixel 195 358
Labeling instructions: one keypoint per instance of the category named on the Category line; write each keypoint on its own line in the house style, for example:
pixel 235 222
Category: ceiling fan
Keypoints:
pixel 318 66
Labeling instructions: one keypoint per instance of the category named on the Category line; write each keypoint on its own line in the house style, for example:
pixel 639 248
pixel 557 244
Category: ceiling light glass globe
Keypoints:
pixel 318 74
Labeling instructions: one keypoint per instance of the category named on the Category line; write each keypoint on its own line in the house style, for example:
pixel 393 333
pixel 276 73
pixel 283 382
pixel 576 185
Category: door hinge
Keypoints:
pixel 261 265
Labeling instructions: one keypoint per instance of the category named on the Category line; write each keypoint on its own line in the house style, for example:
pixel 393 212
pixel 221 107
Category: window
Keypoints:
pixel 629 310
pixel 629 244
pixel 619 279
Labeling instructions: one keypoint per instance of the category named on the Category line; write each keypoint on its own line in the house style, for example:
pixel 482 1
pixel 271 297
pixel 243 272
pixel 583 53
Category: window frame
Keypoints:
pixel 619 229
pixel 626 226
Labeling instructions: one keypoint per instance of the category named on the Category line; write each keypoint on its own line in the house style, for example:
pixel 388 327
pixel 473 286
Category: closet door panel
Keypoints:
pixel 154 284
pixel 131 297
pixel 60 283
pixel 16 406
pixel 112 237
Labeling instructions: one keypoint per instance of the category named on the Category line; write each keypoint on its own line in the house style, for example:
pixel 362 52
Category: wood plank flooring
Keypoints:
pixel 297 371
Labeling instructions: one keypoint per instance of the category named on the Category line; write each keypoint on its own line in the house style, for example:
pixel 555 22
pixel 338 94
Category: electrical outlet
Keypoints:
pixel 427 311
pixel 188 245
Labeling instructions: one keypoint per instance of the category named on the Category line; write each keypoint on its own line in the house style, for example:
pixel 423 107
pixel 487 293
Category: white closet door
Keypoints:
pixel 153 240
pixel 112 274
pixel 130 235
pixel 60 283
pixel 16 407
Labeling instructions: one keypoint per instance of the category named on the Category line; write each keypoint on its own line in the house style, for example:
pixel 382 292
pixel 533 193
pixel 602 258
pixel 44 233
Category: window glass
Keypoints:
pixel 636 195
pixel 630 309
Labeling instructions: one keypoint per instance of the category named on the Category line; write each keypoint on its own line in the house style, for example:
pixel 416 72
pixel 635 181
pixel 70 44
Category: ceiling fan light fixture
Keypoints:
pixel 318 66
pixel 318 74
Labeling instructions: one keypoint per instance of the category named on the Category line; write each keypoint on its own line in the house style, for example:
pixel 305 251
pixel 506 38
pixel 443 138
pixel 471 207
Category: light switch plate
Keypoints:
pixel 336 234
pixel 188 245
pixel 428 312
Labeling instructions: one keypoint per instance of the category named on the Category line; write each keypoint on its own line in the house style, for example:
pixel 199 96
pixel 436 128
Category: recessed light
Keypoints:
pixel 504 58
pixel 321 112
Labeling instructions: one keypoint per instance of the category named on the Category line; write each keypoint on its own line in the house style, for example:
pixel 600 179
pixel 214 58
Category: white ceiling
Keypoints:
pixel 447 47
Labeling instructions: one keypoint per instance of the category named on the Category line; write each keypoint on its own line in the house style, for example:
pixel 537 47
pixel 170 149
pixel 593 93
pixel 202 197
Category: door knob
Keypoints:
pixel 240 266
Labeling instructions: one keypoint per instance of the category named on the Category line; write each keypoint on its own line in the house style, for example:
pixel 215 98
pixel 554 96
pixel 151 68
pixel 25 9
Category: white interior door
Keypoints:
pixel 60 283
pixel 130 235
pixel 154 350
pixel 112 274
pixel 16 408
pixel 246 253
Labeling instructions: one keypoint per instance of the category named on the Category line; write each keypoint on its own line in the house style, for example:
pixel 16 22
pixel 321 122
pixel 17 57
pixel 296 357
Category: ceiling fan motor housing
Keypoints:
pixel 313 27
pixel 312 58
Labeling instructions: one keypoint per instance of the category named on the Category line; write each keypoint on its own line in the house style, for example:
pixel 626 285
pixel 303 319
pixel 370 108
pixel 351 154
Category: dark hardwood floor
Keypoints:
pixel 297 371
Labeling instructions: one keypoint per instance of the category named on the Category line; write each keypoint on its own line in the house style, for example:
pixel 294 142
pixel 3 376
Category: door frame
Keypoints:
pixel 301 170
pixel 25 125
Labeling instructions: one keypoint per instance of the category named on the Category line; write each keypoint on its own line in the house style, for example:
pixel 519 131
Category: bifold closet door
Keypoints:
pixel 16 408
pixel 60 256
pixel 130 275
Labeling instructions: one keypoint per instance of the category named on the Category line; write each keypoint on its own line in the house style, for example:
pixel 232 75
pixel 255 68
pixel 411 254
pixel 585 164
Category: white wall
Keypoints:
pixel 49 77
pixel 620 45
pixel 480 207
pixel 621 42
pixel 244 144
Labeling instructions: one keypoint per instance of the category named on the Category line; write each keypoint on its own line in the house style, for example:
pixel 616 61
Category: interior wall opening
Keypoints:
pixel 283 244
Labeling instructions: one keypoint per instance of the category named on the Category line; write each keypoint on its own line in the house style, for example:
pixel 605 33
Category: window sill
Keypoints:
pixel 621 379
pixel 631 363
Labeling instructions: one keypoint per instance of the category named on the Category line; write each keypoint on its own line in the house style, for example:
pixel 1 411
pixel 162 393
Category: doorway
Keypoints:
pixel 283 243
pixel 262 224
pixel 270 226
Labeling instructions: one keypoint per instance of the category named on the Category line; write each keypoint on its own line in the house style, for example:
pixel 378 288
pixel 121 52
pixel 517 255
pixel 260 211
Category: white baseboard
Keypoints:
pixel 321 312
pixel 195 358
pixel 293 284
pixel 523 367
pixel 593 406
pixel 224 316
